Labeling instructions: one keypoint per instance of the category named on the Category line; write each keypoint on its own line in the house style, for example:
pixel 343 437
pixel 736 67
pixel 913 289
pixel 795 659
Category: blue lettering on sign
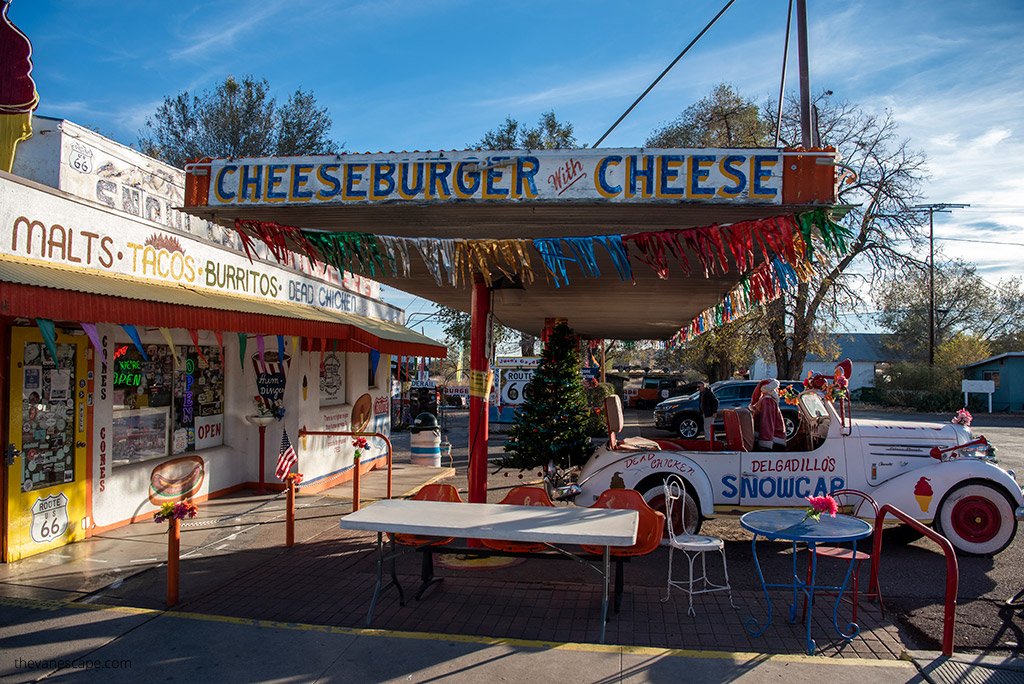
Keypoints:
pixel 778 487
pixel 729 482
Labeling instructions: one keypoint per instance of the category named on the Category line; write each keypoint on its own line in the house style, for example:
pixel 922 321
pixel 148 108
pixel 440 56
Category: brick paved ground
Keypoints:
pixel 329 581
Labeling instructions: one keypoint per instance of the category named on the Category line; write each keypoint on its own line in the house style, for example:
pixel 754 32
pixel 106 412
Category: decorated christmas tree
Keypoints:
pixel 552 424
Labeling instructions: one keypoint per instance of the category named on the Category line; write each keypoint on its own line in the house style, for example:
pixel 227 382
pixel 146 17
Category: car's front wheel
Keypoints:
pixel 688 427
pixel 977 519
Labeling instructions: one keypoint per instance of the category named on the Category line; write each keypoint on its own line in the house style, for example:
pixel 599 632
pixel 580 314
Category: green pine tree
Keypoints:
pixel 552 424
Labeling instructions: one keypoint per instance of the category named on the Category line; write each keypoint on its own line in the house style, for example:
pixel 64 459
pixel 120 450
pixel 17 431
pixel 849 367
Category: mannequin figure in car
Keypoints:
pixel 771 428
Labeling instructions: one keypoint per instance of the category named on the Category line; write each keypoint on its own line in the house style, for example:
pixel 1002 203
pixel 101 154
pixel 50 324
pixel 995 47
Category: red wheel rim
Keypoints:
pixel 976 519
pixel 658 504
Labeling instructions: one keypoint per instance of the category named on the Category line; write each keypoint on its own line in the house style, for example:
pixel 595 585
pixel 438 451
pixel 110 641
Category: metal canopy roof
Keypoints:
pixel 596 307
pixel 30 289
pixel 498 220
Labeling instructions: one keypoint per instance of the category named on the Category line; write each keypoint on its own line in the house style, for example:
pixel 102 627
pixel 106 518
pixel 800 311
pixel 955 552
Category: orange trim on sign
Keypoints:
pixel 197 187
pixel 804 180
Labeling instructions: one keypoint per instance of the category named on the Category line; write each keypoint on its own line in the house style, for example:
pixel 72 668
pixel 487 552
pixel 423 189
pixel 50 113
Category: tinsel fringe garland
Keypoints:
pixel 785 243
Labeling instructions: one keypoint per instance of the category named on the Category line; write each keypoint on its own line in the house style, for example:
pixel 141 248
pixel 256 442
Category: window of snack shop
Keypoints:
pixel 166 400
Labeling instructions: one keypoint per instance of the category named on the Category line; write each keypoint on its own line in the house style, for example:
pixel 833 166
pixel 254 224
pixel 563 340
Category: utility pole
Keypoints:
pixel 805 79
pixel 942 208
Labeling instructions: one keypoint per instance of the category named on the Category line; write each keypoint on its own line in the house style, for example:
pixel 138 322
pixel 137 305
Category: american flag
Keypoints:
pixel 286 458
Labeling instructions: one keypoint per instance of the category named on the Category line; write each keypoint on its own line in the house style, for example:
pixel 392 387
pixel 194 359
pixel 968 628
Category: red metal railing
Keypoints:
pixel 355 466
pixel 952 570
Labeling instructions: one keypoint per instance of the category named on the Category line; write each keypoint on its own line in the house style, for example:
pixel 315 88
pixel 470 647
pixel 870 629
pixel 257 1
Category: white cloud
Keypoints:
pixel 223 34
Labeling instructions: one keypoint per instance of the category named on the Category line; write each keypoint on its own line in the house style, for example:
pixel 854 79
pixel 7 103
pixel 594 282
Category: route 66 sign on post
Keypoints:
pixel 515 381
pixel 49 518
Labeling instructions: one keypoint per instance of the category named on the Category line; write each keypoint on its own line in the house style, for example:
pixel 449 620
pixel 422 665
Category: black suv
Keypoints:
pixel 681 415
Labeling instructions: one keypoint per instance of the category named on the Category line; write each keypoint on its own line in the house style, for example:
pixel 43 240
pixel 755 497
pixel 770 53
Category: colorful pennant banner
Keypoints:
pixel 786 245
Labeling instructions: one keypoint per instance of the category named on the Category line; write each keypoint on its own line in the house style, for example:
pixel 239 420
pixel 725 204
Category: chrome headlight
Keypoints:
pixel 984 452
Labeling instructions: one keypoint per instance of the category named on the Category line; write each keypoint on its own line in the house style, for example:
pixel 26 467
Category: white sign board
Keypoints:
pixel 983 386
pixel 517 362
pixel 978 386
pixel 608 175
pixel 49 228
pixel 514 384
pixel 66 156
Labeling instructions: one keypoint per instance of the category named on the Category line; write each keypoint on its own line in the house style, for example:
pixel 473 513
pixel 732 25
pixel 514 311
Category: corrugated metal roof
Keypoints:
pixel 96 298
pixel 861 347
pixel 992 358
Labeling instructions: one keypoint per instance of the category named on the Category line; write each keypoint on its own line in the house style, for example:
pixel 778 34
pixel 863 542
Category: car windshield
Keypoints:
pixel 813 405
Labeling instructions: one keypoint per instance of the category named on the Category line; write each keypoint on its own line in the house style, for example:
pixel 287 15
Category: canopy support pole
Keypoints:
pixel 479 367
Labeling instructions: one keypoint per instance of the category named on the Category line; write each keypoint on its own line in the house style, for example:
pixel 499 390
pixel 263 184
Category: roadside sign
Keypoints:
pixel 513 385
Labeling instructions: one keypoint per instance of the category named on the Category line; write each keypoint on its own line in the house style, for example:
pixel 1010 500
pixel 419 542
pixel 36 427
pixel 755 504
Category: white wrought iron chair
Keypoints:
pixel 692 545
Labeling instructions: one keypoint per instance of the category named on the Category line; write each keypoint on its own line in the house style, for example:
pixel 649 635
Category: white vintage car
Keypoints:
pixel 936 473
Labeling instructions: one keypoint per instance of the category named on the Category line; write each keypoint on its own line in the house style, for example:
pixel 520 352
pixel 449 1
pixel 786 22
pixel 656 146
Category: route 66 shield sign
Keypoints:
pixel 49 518
pixel 80 158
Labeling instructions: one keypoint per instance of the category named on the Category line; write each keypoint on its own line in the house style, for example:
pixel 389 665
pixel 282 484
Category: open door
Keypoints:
pixel 46 465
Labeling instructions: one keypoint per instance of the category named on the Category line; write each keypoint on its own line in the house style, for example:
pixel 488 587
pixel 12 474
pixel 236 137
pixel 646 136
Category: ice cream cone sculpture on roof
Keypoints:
pixel 923 494
pixel 18 95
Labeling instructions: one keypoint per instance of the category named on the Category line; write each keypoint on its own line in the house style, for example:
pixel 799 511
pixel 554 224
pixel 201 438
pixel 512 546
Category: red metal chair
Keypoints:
pixel 430 492
pixel 847 554
pixel 648 532
pixel 521 496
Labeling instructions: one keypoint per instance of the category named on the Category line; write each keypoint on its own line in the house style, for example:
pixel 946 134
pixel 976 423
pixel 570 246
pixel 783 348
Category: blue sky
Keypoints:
pixel 426 74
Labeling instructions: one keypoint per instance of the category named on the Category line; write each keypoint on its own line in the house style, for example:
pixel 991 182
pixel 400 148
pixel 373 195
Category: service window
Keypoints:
pixel 163 405
pixel 991 375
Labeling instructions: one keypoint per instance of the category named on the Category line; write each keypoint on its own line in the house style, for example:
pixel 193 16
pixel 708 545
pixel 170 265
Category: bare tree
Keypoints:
pixel 965 305
pixel 881 180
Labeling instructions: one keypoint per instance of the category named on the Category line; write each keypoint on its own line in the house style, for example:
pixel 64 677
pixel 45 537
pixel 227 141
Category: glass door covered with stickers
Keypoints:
pixel 46 477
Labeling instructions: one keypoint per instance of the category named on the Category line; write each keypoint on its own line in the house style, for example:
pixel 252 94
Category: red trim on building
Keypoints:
pixel 32 302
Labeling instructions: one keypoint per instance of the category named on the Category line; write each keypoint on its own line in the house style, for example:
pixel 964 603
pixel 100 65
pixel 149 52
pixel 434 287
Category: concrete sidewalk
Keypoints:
pixel 253 610
pixel 76 642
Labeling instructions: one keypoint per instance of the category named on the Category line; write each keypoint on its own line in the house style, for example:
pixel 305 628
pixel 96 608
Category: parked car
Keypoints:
pixel 654 389
pixel 681 415
pixel 937 473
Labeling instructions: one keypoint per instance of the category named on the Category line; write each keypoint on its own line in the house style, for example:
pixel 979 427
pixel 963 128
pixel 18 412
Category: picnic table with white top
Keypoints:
pixel 551 526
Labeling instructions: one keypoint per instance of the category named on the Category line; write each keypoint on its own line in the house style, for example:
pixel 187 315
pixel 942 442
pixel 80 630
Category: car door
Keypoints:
pixel 729 397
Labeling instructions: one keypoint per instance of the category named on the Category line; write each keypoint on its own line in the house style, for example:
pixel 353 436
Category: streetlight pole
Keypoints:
pixel 942 208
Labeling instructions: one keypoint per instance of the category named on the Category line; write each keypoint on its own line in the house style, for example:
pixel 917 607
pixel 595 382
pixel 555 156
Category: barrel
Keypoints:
pixel 425 441
pixel 426 448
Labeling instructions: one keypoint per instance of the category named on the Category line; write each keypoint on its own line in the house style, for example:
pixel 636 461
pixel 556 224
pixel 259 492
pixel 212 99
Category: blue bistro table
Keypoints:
pixel 789 525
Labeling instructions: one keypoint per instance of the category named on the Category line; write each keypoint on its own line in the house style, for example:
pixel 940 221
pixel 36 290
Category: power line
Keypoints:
pixel 662 74
pixel 982 242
